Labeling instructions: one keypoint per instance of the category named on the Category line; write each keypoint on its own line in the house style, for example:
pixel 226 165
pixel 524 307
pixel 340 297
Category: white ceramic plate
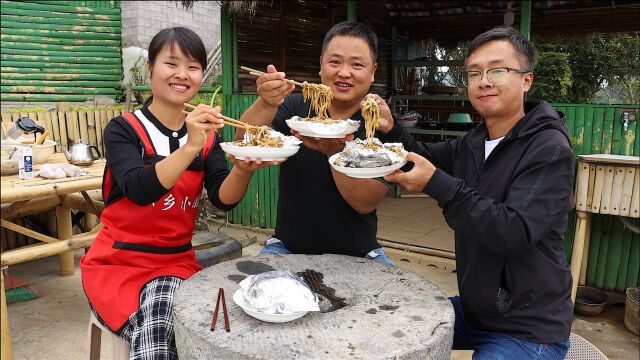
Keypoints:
pixel 365 173
pixel 259 152
pixel 239 299
pixel 320 130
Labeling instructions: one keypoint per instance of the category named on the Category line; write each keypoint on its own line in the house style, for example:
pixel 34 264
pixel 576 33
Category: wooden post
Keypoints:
pixel 65 231
pixel 584 218
pixel 127 104
pixel 5 348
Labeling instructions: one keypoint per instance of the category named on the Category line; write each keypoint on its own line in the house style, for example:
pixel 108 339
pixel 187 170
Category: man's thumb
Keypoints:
pixel 271 69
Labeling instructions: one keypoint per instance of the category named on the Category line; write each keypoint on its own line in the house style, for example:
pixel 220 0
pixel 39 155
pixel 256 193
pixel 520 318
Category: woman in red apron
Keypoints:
pixel 158 161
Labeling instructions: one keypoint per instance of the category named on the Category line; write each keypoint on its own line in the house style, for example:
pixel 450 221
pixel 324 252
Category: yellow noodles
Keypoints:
pixel 320 96
pixel 259 136
pixel 371 114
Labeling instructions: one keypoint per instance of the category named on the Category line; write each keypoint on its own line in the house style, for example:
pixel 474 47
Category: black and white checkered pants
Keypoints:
pixel 149 330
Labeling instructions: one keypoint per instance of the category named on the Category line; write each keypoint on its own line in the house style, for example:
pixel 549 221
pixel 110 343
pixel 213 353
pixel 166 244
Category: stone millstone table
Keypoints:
pixel 368 311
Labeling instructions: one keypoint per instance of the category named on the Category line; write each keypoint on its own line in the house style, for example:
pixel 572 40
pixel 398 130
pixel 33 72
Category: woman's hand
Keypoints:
pixel 200 122
pixel 272 87
pixel 386 120
pixel 248 166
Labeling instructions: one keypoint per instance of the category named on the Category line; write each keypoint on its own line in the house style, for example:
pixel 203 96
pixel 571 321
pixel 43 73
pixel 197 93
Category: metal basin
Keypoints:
pixel 590 301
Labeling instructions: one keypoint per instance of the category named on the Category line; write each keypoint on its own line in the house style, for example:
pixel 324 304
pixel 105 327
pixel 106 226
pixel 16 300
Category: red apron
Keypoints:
pixel 141 243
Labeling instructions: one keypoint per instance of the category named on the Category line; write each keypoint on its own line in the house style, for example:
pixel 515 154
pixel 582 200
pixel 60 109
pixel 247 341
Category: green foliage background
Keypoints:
pixel 599 61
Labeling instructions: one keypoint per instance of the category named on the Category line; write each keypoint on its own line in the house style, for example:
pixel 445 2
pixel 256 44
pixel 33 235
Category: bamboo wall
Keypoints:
pixel 614 251
pixel 60 50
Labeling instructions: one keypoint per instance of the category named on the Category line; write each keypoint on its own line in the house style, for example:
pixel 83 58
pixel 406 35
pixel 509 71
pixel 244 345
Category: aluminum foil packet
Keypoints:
pixel 355 155
pixel 278 292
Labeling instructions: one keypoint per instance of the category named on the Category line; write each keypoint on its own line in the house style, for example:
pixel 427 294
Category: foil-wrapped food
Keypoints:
pixel 370 153
pixel 278 292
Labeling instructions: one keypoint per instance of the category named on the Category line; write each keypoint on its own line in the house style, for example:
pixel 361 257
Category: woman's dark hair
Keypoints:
pixel 187 40
pixel 525 49
pixel 355 29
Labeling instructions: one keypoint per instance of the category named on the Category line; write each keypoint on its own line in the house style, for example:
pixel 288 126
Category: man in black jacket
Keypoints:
pixel 506 190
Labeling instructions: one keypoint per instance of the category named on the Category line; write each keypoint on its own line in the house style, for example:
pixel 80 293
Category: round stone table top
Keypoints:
pixel 369 310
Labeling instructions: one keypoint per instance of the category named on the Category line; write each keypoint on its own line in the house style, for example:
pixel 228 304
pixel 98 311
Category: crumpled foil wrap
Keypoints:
pixel 354 154
pixel 278 292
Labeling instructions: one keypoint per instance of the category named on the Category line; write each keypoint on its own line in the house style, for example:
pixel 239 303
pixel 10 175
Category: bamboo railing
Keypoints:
pixel 68 126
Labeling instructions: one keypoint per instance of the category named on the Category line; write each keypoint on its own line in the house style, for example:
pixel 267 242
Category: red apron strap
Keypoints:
pixel 209 145
pixel 142 133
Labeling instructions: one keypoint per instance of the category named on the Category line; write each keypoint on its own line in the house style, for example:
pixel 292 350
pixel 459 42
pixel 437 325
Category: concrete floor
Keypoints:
pixel 54 326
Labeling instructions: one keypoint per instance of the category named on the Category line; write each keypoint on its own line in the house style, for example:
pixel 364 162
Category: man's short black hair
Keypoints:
pixel 355 29
pixel 524 47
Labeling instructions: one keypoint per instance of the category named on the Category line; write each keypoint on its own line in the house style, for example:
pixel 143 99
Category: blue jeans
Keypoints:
pixel 275 246
pixel 496 346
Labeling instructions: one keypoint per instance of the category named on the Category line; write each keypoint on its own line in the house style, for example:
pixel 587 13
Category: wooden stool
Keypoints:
pixel 120 348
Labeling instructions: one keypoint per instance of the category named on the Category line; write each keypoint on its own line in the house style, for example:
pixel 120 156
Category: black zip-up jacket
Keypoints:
pixel 509 214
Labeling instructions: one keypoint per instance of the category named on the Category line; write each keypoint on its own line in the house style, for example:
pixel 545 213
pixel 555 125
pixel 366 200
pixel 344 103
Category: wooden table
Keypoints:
pixel 606 184
pixel 23 197
pixel 369 311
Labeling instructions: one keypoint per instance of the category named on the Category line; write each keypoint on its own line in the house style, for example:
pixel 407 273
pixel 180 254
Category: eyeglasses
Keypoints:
pixel 495 76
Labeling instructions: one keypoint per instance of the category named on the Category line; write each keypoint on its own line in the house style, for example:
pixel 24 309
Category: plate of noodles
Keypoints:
pixel 262 143
pixel 367 159
pixel 325 128
pixel 321 125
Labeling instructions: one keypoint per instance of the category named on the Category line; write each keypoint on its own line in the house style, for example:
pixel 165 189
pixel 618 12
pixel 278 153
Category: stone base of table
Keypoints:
pixel 387 313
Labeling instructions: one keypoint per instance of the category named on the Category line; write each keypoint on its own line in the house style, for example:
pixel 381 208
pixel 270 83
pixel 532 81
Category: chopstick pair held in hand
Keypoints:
pixel 224 312
pixel 226 120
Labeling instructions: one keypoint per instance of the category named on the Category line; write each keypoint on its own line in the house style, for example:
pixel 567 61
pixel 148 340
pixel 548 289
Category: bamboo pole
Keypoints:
pixel 72 125
pixel 5 349
pixel 31 207
pixel 62 83
pixel 46 97
pixel 578 247
pixel 69 59
pixel 36 64
pixel 65 232
pixel 59 41
pixel 27 48
pixel 99 130
pixel 57 14
pixel 40 251
pixel 62 8
pixel 82 122
pixel 53 26
pixel 53 70
pixel 91 128
pixel 93 78
pixel 62 34
pixel 78 202
pixel 37 16
pixel 30 52
pixel 24 231
pixel 418 249
pixel 59 90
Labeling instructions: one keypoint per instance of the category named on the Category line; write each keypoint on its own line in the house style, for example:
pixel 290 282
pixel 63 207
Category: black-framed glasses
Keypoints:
pixel 496 76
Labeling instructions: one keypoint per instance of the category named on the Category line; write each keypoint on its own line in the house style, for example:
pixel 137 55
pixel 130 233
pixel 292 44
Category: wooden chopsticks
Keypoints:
pixel 227 120
pixel 224 312
pixel 255 72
